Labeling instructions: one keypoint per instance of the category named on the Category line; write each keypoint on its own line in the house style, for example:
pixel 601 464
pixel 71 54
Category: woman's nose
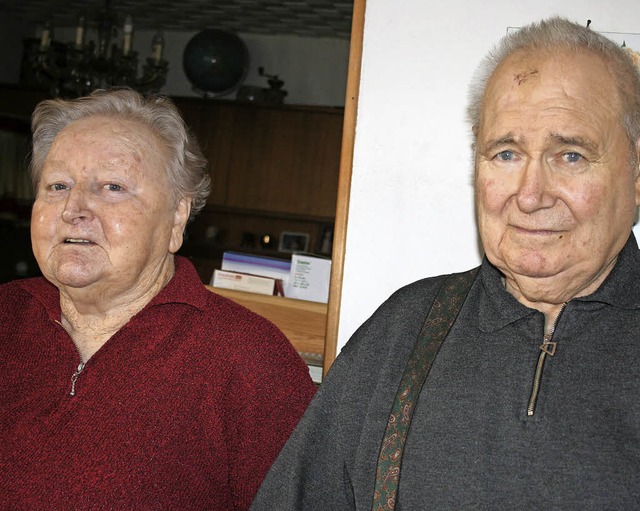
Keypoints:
pixel 77 207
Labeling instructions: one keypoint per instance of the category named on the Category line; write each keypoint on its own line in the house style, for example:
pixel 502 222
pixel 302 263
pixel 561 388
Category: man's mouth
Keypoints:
pixel 530 229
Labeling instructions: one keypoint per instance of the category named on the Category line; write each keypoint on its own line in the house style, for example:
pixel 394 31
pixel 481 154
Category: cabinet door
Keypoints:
pixel 213 125
pixel 285 161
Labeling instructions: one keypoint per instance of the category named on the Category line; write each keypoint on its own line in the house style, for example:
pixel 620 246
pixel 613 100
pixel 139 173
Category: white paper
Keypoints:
pixel 309 278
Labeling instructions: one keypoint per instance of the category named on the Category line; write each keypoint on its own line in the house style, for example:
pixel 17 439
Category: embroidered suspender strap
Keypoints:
pixel 441 317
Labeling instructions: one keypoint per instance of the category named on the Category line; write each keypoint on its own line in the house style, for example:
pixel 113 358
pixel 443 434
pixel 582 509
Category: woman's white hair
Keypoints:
pixel 185 165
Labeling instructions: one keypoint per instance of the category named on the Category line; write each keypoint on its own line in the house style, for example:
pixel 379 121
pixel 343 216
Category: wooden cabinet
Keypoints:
pixel 274 159
pixel 213 126
pixel 273 169
pixel 286 161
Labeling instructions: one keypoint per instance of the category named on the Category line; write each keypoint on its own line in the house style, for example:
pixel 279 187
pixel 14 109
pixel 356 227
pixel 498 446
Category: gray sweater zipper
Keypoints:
pixel 547 348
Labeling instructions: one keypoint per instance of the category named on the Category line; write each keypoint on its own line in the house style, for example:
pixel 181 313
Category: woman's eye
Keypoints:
pixel 58 186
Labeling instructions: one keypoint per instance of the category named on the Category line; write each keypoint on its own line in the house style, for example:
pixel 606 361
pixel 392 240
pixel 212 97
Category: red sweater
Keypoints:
pixel 184 408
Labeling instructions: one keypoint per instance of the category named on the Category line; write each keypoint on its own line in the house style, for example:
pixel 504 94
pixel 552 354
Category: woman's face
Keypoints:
pixel 104 217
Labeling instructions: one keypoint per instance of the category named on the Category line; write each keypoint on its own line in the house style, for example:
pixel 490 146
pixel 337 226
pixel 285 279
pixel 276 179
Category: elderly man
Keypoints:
pixel 532 399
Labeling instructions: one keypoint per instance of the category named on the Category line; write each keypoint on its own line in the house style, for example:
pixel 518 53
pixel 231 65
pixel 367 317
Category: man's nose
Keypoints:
pixel 535 187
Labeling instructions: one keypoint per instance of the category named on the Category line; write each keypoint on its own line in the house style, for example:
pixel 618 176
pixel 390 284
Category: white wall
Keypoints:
pixel 411 207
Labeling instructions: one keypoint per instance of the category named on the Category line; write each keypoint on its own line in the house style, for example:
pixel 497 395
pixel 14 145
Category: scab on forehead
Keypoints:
pixel 520 78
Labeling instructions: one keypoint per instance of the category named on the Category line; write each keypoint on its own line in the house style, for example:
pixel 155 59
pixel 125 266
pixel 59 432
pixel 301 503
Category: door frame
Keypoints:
pixel 344 183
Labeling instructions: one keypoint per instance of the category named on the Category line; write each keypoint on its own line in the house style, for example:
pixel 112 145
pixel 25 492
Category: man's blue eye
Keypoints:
pixel 114 188
pixel 505 155
pixel 572 157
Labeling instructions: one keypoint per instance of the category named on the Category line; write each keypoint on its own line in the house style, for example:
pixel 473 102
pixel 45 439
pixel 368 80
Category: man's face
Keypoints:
pixel 555 190
pixel 103 217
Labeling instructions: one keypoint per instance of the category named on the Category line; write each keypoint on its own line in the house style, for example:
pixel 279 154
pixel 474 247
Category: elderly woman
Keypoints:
pixel 125 383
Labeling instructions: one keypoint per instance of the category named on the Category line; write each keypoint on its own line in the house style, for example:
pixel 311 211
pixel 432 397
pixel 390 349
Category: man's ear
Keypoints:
pixel 180 219
pixel 636 172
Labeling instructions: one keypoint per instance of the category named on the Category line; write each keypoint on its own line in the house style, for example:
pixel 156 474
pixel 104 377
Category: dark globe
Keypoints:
pixel 215 62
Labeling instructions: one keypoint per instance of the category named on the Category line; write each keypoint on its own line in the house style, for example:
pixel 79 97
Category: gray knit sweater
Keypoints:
pixel 472 444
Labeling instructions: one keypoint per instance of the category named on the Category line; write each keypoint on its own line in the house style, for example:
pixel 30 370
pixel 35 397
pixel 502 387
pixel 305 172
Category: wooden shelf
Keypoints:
pixel 211 208
pixel 303 322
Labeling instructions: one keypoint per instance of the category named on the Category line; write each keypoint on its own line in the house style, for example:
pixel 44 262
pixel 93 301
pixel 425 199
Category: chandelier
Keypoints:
pixel 79 67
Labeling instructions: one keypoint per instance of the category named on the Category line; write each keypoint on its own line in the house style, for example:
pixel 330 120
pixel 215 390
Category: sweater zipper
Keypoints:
pixel 76 374
pixel 547 348
pixel 74 379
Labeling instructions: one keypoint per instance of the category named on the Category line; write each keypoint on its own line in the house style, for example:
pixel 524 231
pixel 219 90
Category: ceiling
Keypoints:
pixel 307 18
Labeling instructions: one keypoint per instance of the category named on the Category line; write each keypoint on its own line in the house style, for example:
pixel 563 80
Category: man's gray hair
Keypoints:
pixel 185 166
pixel 557 33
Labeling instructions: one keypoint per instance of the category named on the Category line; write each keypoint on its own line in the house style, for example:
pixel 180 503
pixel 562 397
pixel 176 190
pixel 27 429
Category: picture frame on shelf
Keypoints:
pixel 293 242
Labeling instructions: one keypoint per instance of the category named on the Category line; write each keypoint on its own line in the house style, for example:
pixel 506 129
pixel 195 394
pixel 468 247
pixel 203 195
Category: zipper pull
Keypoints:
pixel 549 347
pixel 74 379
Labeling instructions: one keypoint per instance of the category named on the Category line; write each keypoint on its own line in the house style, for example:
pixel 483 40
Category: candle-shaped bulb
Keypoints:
pixel 128 34
pixel 45 37
pixel 80 32
pixel 157 47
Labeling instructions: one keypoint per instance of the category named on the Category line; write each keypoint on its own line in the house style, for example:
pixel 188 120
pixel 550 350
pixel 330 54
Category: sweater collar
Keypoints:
pixel 620 289
pixel 184 287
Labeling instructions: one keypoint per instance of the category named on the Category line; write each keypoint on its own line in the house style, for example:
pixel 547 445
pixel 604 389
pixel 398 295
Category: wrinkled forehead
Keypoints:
pixel 528 77
pixel 110 134
pixel 108 142
pixel 112 128
pixel 563 68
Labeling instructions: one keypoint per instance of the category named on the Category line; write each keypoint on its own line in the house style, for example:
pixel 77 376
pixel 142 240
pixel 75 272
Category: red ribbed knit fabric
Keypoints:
pixel 184 408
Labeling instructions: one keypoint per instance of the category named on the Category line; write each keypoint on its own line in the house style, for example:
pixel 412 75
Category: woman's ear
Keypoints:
pixel 180 219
